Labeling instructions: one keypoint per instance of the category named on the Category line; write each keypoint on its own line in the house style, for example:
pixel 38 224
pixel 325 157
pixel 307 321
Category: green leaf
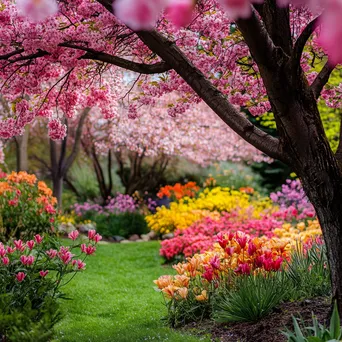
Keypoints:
pixel 335 327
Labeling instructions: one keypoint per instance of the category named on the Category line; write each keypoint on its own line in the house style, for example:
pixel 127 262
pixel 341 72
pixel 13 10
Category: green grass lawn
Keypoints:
pixel 114 299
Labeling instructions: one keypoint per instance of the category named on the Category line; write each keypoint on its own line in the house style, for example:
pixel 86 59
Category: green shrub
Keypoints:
pixel 124 224
pixel 252 298
pixel 28 323
pixel 317 332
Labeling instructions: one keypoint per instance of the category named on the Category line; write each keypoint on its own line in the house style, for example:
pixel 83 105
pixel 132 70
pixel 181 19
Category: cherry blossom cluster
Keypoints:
pixel 49 69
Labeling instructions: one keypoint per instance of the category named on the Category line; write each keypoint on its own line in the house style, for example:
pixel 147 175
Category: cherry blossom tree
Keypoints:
pixel 261 55
pixel 198 135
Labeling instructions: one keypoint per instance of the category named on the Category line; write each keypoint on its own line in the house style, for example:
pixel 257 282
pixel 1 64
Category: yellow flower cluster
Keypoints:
pixel 301 232
pixel 210 203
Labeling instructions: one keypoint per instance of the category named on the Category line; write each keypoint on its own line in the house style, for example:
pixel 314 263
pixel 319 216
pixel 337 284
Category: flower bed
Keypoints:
pixel 186 211
pixel 200 236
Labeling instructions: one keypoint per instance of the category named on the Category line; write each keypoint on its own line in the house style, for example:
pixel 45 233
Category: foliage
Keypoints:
pixel 317 332
pixel 308 270
pixel 253 297
pixel 84 180
pixel 122 224
pixel 31 276
pixel 234 175
pixel 27 207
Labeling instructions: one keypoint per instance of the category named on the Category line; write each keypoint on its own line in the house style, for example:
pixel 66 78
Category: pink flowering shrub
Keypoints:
pixel 119 204
pixel 200 236
pixel 31 276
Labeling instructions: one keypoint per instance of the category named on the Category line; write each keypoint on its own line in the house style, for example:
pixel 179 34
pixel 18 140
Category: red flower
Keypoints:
pixel 43 273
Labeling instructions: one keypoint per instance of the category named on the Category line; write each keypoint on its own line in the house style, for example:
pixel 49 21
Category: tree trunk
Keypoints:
pixel 325 193
pixel 22 150
pixel 58 190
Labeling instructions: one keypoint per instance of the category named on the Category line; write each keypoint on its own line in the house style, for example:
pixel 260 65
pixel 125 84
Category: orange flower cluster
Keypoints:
pixel 21 177
pixel 233 253
pixel 247 190
pixel 178 190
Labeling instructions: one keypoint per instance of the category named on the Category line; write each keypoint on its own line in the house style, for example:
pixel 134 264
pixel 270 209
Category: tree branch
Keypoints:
pixel 77 142
pixel 258 40
pixel 301 41
pixel 141 68
pixel 322 78
pixel 237 121
pixel 13 53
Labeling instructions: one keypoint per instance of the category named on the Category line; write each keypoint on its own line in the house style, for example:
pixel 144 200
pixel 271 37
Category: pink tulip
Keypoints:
pixel 51 253
pixel 38 239
pixel 65 257
pixel 5 260
pixel 43 273
pixel 215 262
pixel 27 260
pixel 251 248
pixel 30 244
pixel 73 235
pixel 97 238
pixel 10 250
pixel 20 276
pixel 80 264
pixel 2 252
pixel 91 234
pixel 19 245
pixel 88 249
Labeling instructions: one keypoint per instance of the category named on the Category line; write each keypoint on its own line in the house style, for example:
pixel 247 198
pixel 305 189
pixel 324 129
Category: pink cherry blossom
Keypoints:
pixel 37 10
pixel 57 130
pixel 43 273
pixel 179 12
pixel 237 8
pixel 138 14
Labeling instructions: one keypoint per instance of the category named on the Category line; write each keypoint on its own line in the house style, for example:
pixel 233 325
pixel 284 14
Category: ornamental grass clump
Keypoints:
pixel 27 207
pixel 32 274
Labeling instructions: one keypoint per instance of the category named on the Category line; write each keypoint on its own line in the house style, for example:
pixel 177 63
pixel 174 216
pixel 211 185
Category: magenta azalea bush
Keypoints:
pixel 32 274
